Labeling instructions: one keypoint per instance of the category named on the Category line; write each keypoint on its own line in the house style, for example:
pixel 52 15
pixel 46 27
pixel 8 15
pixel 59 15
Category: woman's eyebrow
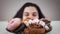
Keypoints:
pixel 34 12
pixel 26 12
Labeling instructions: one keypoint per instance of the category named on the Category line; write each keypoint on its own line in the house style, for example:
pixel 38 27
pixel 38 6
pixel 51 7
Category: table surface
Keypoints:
pixel 55 27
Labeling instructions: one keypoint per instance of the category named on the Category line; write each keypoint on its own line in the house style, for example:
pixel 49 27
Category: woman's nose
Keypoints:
pixel 30 17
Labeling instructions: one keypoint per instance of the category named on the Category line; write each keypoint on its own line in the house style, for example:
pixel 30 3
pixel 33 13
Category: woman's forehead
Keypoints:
pixel 30 9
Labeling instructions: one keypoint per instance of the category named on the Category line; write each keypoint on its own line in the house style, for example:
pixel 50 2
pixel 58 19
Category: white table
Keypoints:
pixel 55 25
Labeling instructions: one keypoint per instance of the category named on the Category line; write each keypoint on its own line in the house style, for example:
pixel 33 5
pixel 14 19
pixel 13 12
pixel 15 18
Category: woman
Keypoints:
pixel 28 10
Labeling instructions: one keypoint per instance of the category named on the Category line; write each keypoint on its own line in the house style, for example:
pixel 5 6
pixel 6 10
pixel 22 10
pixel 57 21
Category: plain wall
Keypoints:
pixel 50 8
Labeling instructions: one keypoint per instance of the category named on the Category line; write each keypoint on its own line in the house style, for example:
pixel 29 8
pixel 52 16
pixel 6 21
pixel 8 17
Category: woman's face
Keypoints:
pixel 30 12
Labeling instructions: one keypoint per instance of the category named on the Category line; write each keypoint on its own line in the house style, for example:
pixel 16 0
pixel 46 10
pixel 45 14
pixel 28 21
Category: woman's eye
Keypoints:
pixel 34 14
pixel 26 14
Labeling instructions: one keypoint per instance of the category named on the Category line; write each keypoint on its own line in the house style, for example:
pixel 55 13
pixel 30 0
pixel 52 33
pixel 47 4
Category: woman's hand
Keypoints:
pixel 13 23
pixel 46 19
pixel 47 25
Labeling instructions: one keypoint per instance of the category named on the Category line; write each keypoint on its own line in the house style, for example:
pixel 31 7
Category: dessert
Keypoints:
pixel 35 26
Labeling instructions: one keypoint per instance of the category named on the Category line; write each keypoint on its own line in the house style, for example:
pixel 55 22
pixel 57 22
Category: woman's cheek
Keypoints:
pixel 25 17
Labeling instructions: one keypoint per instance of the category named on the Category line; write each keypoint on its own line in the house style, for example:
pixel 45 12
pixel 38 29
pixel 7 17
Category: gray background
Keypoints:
pixel 50 8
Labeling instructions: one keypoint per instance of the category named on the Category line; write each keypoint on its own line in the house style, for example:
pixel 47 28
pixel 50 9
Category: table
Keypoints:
pixel 55 25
